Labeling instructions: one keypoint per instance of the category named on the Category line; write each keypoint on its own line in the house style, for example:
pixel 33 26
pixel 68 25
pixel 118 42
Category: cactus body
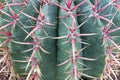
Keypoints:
pixel 17 50
pixel 47 61
pixel 65 50
pixel 60 39
pixel 95 49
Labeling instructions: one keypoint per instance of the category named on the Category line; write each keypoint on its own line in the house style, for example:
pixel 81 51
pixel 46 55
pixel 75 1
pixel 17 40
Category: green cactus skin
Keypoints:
pixel 64 51
pixel 61 62
pixel 95 49
pixel 116 20
pixel 47 62
pixel 19 35
pixel 114 17
pixel 5 18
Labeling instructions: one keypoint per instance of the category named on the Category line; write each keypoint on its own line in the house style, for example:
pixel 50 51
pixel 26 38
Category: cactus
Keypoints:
pixel 60 39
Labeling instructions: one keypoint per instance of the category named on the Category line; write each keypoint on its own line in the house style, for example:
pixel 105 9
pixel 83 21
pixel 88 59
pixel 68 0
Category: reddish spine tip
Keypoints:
pixel 94 8
pixel 115 1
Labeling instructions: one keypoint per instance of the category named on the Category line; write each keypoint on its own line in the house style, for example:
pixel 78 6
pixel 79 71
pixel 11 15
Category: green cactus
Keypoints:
pixel 95 42
pixel 59 39
pixel 48 60
pixel 19 35
pixel 66 51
